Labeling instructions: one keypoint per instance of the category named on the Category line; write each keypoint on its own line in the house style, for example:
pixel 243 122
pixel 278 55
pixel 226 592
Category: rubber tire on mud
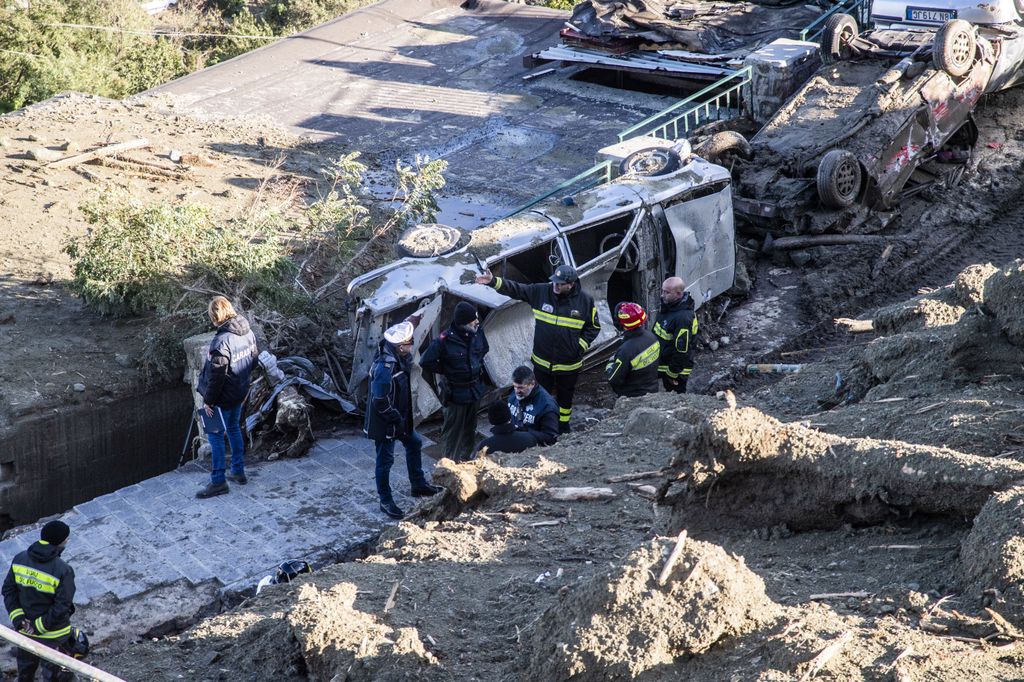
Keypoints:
pixel 838 179
pixel 839 30
pixel 954 47
pixel 726 142
pixel 651 162
pixel 430 239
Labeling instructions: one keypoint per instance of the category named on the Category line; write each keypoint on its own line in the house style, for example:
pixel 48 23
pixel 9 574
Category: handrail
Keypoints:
pixel 743 75
pixel 602 169
pixel 860 7
pixel 53 656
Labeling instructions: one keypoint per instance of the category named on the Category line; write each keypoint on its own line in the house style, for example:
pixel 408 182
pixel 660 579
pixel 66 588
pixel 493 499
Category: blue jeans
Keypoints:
pixel 225 421
pixel 413 461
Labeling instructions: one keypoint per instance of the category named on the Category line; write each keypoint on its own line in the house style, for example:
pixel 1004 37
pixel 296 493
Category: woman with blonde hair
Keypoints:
pixel 224 385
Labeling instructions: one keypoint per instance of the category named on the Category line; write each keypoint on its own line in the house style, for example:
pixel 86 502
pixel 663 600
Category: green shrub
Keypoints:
pixel 138 259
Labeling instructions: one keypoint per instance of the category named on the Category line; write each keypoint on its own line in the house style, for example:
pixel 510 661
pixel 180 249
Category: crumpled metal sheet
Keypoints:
pixel 704 27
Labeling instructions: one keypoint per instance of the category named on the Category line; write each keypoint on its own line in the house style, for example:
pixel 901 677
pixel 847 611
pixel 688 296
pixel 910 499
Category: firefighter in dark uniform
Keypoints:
pixel 566 324
pixel 457 358
pixel 676 329
pixel 39 593
pixel 633 370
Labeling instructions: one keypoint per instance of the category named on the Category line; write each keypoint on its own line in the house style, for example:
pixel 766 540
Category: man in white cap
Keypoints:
pixel 389 416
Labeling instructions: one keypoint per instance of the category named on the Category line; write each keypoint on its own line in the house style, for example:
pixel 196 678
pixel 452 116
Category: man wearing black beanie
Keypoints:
pixel 456 358
pixel 39 592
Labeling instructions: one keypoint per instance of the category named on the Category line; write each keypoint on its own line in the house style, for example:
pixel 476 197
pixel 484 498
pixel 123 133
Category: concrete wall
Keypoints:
pixel 50 462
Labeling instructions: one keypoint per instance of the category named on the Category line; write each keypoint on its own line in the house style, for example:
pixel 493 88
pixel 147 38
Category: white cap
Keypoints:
pixel 399 333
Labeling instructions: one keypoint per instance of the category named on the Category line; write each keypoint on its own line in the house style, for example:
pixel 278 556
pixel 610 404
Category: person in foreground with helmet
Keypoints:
pixel 224 385
pixel 39 593
pixel 456 357
pixel 566 325
pixel 389 416
pixel 633 370
pixel 504 436
pixel 533 410
pixel 676 329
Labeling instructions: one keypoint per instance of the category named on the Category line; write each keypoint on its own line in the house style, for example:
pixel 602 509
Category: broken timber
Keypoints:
pixel 99 152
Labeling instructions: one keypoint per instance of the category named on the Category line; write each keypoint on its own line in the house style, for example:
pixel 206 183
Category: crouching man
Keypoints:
pixel 389 416
pixel 533 409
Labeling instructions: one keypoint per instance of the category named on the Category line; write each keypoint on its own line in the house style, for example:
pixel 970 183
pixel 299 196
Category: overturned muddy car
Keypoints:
pixel 888 115
pixel 667 213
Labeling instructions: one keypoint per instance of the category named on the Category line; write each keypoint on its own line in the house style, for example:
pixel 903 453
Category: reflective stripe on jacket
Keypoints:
pixel 565 325
pixel 633 370
pixel 676 329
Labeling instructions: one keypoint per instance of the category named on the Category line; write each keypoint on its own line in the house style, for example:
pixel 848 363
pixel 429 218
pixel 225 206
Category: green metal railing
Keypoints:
pixel 859 9
pixel 725 94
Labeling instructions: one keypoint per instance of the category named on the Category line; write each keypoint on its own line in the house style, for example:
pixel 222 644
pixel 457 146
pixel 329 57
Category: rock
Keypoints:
pixel 713 345
pixel 44 155
pixel 724 341
pixel 174 155
pixel 70 146
pixel 123 359
pixel 36 138
pixel 79 388
pixel 800 258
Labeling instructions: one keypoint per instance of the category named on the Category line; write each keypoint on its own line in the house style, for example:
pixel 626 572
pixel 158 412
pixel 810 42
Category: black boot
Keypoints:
pixel 426 490
pixel 391 509
pixel 212 490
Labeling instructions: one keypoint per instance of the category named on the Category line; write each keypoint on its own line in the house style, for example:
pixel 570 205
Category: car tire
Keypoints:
pixel 839 30
pixel 651 162
pixel 838 179
pixel 716 147
pixel 428 240
pixel 954 46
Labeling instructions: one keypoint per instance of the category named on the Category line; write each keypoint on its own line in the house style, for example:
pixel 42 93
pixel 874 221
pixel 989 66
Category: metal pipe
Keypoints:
pixel 53 656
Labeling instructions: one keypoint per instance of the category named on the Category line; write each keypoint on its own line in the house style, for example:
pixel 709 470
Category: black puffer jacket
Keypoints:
pixel 633 370
pixel 458 355
pixel 389 406
pixel 40 587
pixel 226 373
pixel 676 329
pixel 566 324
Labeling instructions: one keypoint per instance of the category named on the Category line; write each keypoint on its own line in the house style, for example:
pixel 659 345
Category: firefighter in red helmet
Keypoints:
pixel 633 370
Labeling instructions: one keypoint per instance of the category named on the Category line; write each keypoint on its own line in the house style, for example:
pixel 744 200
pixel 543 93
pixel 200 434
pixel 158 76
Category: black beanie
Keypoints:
pixel 55 532
pixel 498 413
pixel 465 313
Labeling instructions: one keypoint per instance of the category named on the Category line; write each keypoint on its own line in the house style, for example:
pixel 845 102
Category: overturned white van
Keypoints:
pixel 666 212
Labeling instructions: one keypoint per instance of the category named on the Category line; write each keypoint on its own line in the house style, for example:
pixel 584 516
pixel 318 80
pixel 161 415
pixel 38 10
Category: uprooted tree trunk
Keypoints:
pixel 747 462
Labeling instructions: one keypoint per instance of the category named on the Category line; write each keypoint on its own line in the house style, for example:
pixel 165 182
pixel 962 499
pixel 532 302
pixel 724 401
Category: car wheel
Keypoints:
pixel 430 239
pixel 840 29
pixel 953 49
pixel 838 179
pixel 727 142
pixel 651 162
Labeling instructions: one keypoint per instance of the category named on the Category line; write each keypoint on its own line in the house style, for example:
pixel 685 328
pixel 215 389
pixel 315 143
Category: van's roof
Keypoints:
pixel 408 279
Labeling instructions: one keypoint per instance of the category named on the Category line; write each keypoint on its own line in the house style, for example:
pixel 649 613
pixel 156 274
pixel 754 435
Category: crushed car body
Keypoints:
pixel 877 123
pixel 623 237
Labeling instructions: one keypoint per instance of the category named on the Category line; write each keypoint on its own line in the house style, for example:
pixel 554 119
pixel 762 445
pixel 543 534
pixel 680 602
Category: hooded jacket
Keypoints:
pixel 536 414
pixel 633 370
pixel 389 408
pixel 224 381
pixel 40 587
pixel 566 324
pixel 676 329
pixel 458 355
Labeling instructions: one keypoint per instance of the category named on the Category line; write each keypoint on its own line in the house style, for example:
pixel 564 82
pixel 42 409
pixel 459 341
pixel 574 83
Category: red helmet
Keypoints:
pixel 629 315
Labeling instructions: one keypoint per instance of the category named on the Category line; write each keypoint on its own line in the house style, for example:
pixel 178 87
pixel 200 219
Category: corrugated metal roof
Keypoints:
pixel 645 61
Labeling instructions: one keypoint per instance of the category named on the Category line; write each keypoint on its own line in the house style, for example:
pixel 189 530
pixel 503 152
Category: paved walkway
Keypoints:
pixel 156 532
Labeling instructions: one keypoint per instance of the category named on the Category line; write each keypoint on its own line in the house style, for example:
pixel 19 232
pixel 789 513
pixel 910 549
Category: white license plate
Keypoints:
pixel 933 16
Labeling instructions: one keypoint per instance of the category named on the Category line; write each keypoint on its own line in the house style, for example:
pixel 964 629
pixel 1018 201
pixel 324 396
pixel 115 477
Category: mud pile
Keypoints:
pixel 629 620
